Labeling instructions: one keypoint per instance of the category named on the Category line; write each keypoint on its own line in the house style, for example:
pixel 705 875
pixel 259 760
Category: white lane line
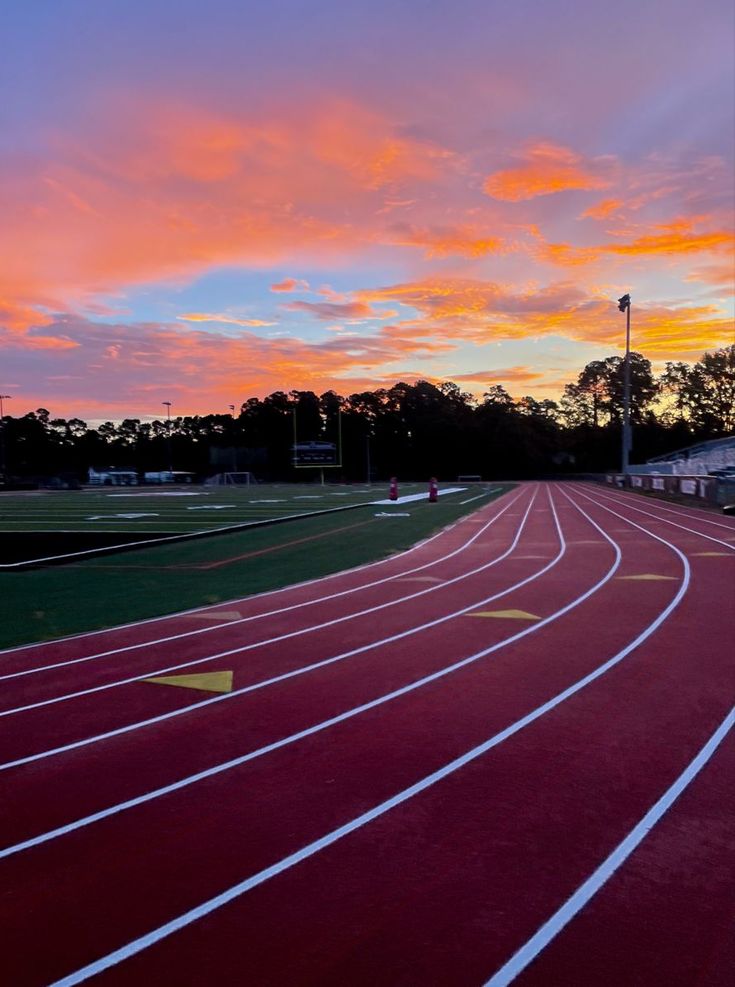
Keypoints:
pixel 267 641
pixel 663 520
pixel 276 745
pixel 267 613
pixel 311 849
pixel 179 537
pixel 563 915
pixel 652 502
pixel 485 493
pixel 302 670
pixel 238 599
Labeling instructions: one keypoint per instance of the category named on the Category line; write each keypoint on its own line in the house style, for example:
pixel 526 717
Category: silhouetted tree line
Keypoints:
pixel 409 430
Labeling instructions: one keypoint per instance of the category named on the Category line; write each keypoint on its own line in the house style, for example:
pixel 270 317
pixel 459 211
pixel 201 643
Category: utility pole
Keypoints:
pixel 168 441
pixel 624 306
pixel 3 397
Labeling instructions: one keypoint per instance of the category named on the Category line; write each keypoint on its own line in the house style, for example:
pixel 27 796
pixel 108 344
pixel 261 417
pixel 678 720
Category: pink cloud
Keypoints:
pixel 330 311
pixel 290 284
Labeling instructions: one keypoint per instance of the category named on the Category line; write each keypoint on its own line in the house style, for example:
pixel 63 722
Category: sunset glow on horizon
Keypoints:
pixel 205 203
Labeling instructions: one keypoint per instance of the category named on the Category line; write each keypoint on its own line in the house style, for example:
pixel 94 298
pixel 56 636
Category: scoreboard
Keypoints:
pixel 314 454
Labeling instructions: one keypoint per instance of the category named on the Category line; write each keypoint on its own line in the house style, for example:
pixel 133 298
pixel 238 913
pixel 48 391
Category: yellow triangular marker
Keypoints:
pixel 508 614
pixel 220 615
pixel 649 576
pixel 206 681
pixel 711 554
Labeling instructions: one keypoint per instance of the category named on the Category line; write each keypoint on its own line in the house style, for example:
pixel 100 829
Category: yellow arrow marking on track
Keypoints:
pixel 205 681
pixel 648 576
pixel 220 615
pixel 507 614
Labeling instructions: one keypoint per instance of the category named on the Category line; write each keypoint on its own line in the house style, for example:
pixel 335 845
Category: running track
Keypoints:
pixel 397 790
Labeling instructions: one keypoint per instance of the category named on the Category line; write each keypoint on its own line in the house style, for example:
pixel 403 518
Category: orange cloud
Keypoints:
pixel 158 359
pixel 482 312
pixel 603 209
pixel 289 285
pixel 231 319
pixel 459 241
pixel 28 341
pixel 16 315
pixel 674 242
pixel 545 170
pixel 720 275
pixel 506 375
pixel 170 192
pixel 673 239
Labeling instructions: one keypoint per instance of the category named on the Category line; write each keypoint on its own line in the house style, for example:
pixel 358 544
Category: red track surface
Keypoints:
pixel 394 792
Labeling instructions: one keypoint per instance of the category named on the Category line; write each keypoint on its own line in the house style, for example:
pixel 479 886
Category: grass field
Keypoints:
pixel 101 592
pixel 173 510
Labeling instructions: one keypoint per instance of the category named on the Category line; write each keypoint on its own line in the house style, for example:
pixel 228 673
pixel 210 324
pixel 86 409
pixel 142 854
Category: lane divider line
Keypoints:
pixel 235 600
pixel 268 641
pixel 269 613
pixel 300 735
pixel 628 496
pixel 293 738
pixel 586 891
pixel 142 943
pixel 663 520
pixel 264 683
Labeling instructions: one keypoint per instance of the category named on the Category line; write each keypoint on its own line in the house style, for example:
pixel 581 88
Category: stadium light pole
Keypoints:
pixel 624 306
pixel 234 443
pixel 168 439
pixel 3 397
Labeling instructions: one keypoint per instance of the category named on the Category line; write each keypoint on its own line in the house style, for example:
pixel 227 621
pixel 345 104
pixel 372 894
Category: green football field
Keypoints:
pixel 90 593
pixel 175 510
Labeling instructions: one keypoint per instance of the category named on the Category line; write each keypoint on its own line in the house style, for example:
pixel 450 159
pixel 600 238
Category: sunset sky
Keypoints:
pixel 206 201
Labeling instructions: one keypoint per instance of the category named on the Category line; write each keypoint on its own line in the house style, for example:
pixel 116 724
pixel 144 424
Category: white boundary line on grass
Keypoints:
pixel 240 599
pixel 178 537
pixel 282 637
pixel 237 890
pixel 270 613
pixel 573 905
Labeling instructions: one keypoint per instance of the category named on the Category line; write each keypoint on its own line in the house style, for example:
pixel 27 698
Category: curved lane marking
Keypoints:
pixel 268 613
pixel 563 915
pixel 663 520
pixel 235 600
pixel 311 849
pixel 273 640
pixel 286 675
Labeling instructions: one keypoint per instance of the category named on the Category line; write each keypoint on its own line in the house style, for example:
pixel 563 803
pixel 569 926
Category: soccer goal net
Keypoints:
pixel 231 479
